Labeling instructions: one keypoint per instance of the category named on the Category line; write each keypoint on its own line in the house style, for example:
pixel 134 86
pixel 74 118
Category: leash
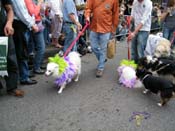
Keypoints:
pixel 128 18
pixel 172 40
pixel 76 39
pixel 145 77
pixel 163 67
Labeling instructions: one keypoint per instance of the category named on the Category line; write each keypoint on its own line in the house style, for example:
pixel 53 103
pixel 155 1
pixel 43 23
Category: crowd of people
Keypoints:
pixel 32 24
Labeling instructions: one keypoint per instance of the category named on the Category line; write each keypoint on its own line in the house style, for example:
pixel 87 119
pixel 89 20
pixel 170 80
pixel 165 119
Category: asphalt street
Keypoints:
pixel 91 104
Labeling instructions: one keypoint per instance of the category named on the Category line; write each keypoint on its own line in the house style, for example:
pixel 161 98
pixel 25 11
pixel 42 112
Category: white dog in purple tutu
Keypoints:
pixel 64 70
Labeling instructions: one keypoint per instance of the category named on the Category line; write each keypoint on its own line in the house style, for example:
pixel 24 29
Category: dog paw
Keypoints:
pixel 76 80
pixel 145 91
pixel 60 91
pixel 159 104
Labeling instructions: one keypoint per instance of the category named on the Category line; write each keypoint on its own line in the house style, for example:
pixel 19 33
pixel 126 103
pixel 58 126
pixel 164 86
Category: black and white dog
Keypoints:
pixel 163 66
pixel 156 85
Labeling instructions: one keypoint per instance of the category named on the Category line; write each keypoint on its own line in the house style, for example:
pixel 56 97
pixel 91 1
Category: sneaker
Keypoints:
pixel 99 73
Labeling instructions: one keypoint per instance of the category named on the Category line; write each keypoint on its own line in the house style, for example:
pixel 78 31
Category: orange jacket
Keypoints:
pixel 105 15
pixel 33 9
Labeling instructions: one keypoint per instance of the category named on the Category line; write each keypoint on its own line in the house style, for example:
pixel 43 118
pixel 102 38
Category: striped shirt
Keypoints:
pixel 21 13
pixel 141 12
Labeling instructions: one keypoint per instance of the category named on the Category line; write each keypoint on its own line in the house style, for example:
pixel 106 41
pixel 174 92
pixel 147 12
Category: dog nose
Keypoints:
pixel 46 74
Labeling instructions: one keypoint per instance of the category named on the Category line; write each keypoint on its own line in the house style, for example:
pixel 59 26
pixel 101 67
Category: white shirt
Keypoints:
pixel 141 12
pixel 56 7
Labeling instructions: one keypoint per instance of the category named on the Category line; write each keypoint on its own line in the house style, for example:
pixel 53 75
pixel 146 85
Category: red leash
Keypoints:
pixel 172 40
pixel 128 18
pixel 76 39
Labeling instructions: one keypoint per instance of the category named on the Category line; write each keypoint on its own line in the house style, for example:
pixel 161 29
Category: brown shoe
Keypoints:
pixel 99 73
pixel 16 92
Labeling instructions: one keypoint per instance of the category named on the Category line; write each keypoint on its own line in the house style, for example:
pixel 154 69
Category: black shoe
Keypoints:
pixel 43 66
pixel 28 82
pixel 1 86
pixel 106 60
pixel 39 71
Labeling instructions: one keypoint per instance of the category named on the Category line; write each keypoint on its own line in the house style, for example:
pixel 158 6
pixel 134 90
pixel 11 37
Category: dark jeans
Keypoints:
pixel 21 49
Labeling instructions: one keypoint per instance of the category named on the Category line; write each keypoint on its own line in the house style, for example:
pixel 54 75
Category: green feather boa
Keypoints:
pixel 60 61
pixel 130 63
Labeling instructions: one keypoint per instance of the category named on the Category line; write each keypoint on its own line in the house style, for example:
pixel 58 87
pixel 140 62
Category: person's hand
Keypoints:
pixel 35 28
pixel 113 34
pixel 131 36
pixel 79 26
pixel 88 19
pixel 8 29
pixel 59 18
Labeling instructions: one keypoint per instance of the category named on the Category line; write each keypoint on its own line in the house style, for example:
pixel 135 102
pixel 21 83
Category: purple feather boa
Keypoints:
pixel 124 81
pixel 67 75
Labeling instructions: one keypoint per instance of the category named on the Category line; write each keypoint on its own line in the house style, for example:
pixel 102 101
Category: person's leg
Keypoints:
pixel 70 35
pixel 21 52
pixel 103 41
pixel 40 50
pixel 12 67
pixel 94 41
pixel 29 41
pixel 134 54
pixel 142 40
pixel 166 33
pixel 21 49
pixel 56 31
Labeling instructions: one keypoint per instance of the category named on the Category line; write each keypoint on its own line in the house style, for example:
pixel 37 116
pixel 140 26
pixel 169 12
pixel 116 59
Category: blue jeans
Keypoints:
pixel 99 45
pixel 70 36
pixel 23 70
pixel 38 39
pixel 30 44
pixel 168 34
pixel 138 45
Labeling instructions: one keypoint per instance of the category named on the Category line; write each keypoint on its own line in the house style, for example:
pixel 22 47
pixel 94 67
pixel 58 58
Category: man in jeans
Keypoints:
pixel 141 14
pixel 22 23
pixel 70 24
pixel 6 29
pixel 103 22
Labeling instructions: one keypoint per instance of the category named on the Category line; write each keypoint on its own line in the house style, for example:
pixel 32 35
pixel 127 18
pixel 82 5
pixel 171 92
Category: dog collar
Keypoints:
pixel 145 77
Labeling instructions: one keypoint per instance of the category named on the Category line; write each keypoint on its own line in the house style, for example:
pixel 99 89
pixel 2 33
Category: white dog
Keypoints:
pixel 74 63
pixel 157 46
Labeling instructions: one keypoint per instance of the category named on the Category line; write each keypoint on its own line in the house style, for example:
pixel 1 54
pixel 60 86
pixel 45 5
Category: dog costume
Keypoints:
pixel 127 74
pixel 67 69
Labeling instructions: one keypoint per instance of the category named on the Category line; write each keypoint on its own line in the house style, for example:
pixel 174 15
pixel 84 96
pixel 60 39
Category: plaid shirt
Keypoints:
pixel 21 13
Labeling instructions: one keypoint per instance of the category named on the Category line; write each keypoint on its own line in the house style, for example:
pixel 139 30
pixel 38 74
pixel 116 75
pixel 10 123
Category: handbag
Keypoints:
pixel 3 56
pixel 111 48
